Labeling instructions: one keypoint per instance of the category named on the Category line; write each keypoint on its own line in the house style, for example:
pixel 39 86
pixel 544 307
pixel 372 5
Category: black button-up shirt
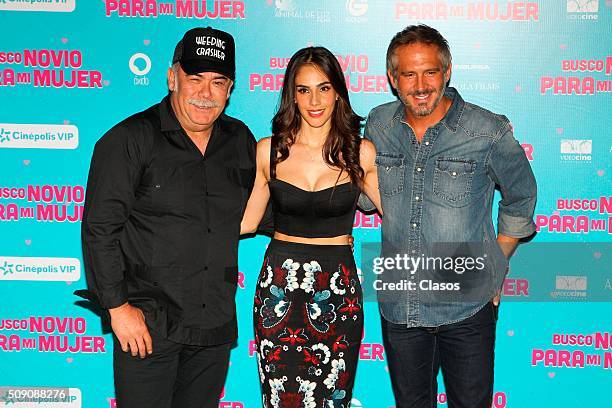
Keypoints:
pixel 162 223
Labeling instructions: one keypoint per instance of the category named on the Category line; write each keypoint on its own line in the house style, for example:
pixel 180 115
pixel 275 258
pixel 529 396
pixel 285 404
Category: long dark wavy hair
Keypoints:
pixel 341 148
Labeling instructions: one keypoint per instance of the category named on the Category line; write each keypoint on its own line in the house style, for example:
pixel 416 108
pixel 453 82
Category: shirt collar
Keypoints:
pixel 453 115
pixel 168 119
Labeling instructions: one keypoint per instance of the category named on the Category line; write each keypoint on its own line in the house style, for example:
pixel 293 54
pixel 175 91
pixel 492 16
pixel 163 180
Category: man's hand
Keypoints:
pixel 129 326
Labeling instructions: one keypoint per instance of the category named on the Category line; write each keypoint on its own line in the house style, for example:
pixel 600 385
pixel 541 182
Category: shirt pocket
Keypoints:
pixel 390 173
pixel 452 180
pixel 162 190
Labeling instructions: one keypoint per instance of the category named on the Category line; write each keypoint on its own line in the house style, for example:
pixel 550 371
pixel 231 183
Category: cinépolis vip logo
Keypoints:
pixel 38 136
pixel 29 397
pixel 65 6
pixel 39 269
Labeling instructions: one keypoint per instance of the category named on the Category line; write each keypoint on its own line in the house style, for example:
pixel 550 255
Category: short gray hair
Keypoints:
pixel 423 34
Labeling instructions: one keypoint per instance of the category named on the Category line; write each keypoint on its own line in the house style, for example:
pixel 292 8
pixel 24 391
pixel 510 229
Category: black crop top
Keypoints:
pixel 313 214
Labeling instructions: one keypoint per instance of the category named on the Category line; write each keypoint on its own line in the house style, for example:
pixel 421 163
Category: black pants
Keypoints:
pixel 464 350
pixel 174 376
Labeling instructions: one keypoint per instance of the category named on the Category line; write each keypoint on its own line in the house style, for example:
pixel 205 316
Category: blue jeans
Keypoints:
pixel 464 350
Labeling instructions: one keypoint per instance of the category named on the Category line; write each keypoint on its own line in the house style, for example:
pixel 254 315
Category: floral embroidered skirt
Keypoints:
pixel 308 319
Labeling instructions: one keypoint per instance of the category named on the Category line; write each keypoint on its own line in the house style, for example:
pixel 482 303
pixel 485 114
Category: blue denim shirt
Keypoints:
pixel 441 191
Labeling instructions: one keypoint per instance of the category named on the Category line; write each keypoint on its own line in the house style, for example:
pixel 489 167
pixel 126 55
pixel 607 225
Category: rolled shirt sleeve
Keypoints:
pixel 113 177
pixel 509 168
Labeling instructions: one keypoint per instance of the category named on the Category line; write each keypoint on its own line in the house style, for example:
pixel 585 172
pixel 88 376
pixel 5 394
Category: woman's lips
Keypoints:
pixel 316 113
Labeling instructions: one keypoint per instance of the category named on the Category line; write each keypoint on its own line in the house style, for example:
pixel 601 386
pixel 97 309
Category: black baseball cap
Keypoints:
pixel 206 50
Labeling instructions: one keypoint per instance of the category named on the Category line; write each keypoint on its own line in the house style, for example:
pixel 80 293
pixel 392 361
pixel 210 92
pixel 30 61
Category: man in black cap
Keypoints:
pixel 166 192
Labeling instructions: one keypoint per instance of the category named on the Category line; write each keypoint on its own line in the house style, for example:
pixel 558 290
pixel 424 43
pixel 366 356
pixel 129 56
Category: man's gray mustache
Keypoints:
pixel 203 103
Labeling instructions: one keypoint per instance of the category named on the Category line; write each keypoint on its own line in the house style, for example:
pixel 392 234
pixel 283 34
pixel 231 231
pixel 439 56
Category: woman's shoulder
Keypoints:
pixel 264 144
pixel 367 150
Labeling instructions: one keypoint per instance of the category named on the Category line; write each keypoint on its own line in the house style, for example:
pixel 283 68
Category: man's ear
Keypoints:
pixel 447 74
pixel 171 80
pixel 229 89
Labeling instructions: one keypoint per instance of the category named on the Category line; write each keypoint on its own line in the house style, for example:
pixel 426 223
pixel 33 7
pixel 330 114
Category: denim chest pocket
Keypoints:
pixel 452 180
pixel 390 169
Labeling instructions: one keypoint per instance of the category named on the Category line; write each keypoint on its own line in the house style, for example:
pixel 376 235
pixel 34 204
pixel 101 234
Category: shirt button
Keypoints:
pixel 203 305
pixel 417 198
pixel 426 143
pixel 209 230
pixel 454 173
pixel 206 268
pixel 413 251
pixel 419 169
pixel 414 225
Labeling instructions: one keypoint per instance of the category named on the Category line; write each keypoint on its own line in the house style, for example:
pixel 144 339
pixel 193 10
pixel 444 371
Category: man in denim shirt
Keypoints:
pixel 439 160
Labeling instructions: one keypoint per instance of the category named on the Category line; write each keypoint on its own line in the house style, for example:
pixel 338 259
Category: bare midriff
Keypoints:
pixel 339 240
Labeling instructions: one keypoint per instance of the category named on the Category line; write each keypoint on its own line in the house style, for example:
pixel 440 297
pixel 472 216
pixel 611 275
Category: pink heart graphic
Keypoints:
pixel 600 173
pixel 510 333
pixel 26 162
pixel 597 255
pixel 551 375
pixel 69 359
pixel 559 130
pixel 28 241
pixel 66 122
pixel 518 88
pixel 106 82
pixel 146 42
pixel 64 40
pixel 269 2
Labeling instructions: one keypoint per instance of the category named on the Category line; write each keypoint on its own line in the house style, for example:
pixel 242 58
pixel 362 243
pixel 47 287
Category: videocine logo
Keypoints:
pixel 576 146
pixel 15 268
pixel 140 65
pixel 65 6
pixel 582 6
pixel 576 150
pixel 571 283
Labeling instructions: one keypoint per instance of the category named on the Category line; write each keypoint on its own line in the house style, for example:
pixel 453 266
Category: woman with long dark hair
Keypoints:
pixel 308 312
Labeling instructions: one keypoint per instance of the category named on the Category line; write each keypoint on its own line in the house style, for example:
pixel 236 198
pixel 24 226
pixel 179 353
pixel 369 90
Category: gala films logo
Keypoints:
pixel 357 10
pixel 38 5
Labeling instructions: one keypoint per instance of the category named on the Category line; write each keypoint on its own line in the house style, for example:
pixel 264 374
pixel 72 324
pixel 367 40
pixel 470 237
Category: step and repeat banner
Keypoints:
pixel 71 69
